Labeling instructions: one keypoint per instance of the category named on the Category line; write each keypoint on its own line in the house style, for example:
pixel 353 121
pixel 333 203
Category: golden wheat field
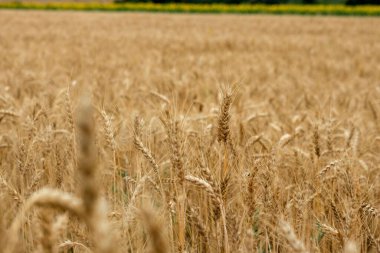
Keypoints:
pixel 132 132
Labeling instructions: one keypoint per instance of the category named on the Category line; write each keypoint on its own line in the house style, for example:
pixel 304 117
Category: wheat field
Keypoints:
pixel 132 132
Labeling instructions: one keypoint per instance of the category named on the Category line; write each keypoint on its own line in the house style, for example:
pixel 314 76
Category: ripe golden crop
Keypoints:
pixel 126 132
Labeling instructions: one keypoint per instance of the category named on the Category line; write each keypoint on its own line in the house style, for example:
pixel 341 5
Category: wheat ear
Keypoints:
pixel 288 232
pixel 141 147
pixel 43 198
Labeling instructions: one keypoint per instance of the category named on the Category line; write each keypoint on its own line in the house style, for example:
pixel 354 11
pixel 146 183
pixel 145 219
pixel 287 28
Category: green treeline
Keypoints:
pixel 202 7
pixel 347 2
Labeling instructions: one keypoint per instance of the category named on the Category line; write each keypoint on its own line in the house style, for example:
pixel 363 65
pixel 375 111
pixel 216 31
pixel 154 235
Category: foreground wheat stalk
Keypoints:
pixel 90 207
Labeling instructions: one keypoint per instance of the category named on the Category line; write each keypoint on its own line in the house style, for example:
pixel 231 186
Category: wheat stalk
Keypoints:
pixel 154 228
pixel 95 209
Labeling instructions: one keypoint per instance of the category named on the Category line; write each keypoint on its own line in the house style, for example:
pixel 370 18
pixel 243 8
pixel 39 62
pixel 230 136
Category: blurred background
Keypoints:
pixel 346 2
